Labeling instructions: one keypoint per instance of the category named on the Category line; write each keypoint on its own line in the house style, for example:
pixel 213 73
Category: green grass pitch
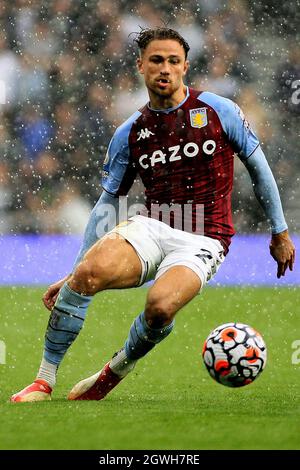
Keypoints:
pixel 169 401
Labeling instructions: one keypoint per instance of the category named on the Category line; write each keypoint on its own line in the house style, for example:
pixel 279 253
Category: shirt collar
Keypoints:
pixel 169 110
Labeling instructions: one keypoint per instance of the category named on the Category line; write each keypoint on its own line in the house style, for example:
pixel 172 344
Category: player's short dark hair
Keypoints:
pixel 145 36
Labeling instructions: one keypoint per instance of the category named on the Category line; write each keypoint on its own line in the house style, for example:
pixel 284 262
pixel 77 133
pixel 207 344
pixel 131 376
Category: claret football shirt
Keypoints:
pixel 184 156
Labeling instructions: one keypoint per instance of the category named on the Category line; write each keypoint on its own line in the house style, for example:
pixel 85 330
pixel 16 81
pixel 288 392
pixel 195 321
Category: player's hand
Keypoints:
pixel 283 251
pixel 50 296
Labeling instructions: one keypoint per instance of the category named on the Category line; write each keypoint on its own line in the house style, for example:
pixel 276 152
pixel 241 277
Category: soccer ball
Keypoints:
pixel 234 354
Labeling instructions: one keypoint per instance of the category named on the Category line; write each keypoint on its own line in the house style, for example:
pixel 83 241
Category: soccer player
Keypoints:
pixel 182 144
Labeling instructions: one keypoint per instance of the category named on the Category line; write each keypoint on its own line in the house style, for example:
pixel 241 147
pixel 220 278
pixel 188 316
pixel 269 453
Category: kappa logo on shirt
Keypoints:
pixel 144 134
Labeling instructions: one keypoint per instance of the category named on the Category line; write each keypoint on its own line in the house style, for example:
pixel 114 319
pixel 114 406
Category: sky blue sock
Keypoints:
pixel 142 338
pixel 65 322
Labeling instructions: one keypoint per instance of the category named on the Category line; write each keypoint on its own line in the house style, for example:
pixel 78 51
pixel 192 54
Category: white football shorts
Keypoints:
pixel 161 247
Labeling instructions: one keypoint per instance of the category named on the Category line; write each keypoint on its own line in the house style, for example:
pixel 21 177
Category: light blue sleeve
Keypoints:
pixel 117 158
pixel 234 123
pixel 103 218
pixel 266 190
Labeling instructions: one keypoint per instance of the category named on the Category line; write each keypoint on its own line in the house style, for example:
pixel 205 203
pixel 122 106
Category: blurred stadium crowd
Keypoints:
pixel 67 73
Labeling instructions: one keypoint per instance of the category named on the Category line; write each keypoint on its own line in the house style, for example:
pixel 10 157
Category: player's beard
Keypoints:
pixel 163 92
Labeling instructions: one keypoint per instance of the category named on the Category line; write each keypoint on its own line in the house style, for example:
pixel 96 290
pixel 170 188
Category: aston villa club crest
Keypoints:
pixel 198 117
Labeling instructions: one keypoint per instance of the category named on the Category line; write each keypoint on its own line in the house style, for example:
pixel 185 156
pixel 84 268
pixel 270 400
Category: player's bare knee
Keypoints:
pixel 158 312
pixel 89 278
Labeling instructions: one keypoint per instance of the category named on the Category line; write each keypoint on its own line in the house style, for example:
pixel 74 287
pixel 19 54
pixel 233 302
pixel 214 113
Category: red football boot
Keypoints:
pixel 95 387
pixel 39 390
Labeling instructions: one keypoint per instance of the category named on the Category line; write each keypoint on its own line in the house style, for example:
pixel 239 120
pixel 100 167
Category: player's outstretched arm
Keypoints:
pixel 103 218
pixel 265 188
